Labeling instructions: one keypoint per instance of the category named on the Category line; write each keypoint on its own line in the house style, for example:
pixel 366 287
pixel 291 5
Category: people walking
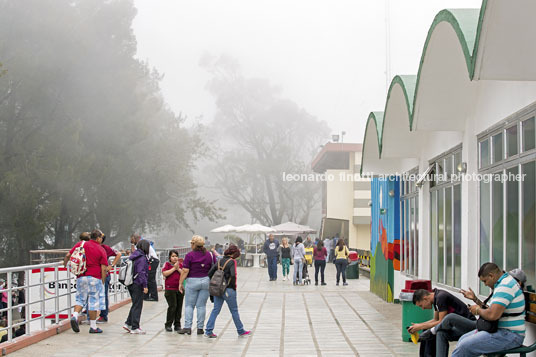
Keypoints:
pixel 298 255
pixel 109 254
pixel 152 294
pixel 172 273
pixel 327 245
pixel 195 267
pixel 320 254
pixel 139 287
pixel 285 258
pixel 89 279
pixel 229 266
pixel 341 260
pixel 270 248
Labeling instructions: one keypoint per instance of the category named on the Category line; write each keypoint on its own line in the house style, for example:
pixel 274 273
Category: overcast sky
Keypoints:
pixel 328 56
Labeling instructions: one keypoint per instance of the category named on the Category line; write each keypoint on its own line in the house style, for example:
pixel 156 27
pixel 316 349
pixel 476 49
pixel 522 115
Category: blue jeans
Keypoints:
pixel 272 267
pixel 476 343
pixel 451 328
pixel 230 298
pixel 298 270
pixel 104 313
pixel 196 297
pixel 341 264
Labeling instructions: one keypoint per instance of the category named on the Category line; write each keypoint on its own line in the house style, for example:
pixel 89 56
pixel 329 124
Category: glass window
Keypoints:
pixel 439 172
pixel 485 220
pixel 433 233
pixel 440 237
pixel 497 222
pixel 511 141
pixel 484 153
pixel 402 238
pixel 448 235
pixel 408 242
pixel 411 232
pixel 528 229
pixel 457 161
pixel 512 219
pixel 497 141
pixel 448 168
pixel 457 235
pixel 529 134
pixel 416 257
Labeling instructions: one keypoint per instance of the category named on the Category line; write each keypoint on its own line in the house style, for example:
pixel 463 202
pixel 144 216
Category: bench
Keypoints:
pixel 530 307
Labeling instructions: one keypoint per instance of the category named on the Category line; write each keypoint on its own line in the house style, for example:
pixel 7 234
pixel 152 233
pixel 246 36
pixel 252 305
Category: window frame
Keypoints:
pixel 508 162
pixel 439 188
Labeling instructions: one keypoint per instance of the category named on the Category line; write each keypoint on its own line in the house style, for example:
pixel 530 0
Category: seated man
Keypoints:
pixel 435 342
pixel 507 305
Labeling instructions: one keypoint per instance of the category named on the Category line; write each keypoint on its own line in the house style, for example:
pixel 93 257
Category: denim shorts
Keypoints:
pixel 90 291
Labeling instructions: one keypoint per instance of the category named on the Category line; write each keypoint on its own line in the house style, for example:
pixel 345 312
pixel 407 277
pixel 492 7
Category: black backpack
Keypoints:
pixel 218 284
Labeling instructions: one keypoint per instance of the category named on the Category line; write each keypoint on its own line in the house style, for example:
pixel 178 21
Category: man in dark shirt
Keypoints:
pixel 271 250
pixel 452 319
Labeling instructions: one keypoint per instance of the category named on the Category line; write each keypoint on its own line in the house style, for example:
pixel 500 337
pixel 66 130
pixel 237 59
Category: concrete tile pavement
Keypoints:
pixel 286 320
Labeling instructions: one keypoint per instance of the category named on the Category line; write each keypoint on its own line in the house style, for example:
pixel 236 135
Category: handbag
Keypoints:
pixel 491 326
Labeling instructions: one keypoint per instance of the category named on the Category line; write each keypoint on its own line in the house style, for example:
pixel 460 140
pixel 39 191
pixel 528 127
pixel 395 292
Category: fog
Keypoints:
pixel 167 118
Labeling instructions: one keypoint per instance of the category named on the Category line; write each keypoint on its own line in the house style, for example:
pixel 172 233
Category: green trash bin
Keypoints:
pixel 352 270
pixel 412 313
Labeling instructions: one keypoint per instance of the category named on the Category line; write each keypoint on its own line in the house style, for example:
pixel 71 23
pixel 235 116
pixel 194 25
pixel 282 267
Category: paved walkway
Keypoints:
pixel 287 320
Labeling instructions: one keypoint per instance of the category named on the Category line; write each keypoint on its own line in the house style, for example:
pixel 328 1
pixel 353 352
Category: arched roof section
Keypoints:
pixel 372 142
pixel 445 71
pixel 372 147
pixel 508 36
pixel 397 139
pixel 403 95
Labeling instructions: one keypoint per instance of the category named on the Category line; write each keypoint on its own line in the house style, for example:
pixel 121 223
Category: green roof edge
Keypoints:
pixel 463 24
pixel 378 123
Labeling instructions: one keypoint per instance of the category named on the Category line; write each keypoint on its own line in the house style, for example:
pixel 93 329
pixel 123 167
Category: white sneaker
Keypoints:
pixel 127 328
pixel 137 331
pixel 284 278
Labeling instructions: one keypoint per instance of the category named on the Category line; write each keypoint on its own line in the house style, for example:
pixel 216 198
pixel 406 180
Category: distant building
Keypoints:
pixel 345 195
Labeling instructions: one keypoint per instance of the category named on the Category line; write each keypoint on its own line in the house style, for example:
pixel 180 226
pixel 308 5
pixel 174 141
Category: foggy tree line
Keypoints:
pixel 86 139
pixel 260 135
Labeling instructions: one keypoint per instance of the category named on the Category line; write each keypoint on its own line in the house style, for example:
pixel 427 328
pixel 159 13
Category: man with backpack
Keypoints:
pixel 223 288
pixel 88 262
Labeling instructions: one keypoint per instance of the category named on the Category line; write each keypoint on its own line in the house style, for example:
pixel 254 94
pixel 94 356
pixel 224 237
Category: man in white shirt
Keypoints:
pixel 327 245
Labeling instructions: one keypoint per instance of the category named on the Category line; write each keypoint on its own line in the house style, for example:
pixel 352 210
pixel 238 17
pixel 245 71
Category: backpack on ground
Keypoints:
pixel 218 284
pixel 78 260
pixel 126 272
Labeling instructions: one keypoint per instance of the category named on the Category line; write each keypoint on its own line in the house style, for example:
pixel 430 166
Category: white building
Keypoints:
pixel 471 108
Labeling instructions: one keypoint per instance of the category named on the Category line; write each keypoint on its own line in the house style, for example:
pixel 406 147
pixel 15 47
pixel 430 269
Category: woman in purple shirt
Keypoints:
pixel 196 266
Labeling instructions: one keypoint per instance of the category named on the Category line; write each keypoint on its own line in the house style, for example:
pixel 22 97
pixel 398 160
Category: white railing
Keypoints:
pixel 49 295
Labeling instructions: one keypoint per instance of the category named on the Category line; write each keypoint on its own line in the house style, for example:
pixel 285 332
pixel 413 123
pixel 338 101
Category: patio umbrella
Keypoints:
pixel 292 228
pixel 224 229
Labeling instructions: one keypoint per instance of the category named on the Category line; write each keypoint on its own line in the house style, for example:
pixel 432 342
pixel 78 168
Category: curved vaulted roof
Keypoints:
pixel 462 46
pixel 467 25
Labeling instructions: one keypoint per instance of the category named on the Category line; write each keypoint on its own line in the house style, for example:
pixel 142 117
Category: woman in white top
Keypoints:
pixel 298 254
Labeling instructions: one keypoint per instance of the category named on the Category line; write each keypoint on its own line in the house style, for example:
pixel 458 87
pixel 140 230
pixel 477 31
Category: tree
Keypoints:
pixel 262 136
pixel 86 139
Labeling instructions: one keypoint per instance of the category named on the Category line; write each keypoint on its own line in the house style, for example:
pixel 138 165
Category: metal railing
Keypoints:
pixel 47 294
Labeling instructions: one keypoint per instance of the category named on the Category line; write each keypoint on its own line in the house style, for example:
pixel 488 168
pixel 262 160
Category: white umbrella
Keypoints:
pixel 253 228
pixel 293 228
pixel 224 229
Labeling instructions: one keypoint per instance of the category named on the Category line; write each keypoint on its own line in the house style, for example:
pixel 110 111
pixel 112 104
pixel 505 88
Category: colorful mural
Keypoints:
pixel 385 236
